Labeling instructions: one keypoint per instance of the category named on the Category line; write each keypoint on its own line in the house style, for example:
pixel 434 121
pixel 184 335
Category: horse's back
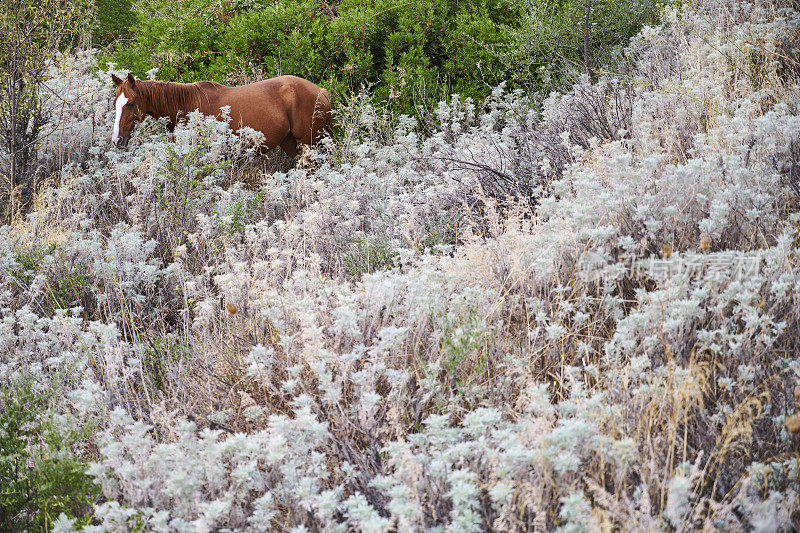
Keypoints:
pixel 287 86
pixel 209 84
pixel 278 106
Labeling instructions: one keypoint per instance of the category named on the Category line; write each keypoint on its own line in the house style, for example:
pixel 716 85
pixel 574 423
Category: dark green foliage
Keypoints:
pixel 559 37
pixel 406 51
pixel 409 54
pixel 41 477
pixel 114 19
pixel 279 40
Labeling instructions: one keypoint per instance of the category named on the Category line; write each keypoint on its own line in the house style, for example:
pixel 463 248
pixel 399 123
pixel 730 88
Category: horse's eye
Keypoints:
pixel 130 104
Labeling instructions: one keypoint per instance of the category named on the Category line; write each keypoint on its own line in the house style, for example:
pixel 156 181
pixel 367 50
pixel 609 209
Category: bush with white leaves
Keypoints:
pixel 570 315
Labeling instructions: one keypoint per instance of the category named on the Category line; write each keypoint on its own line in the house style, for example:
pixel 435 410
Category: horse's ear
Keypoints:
pixel 131 80
pixel 116 80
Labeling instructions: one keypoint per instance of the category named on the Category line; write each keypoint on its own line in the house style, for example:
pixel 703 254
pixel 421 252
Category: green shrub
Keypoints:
pixel 177 37
pixel 65 285
pixel 41 476
pixel 410 54
pixel 162 354
pixel 366 256
pixel 407 51
pixel 114 19
pixel 557 37
pixel 281 39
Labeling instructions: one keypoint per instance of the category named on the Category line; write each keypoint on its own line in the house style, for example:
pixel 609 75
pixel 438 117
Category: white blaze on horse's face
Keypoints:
pixel 119 104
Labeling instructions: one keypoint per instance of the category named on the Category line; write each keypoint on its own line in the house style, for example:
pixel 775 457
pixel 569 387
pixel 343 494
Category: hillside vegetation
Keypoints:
pixel 574 314
pixel 409 54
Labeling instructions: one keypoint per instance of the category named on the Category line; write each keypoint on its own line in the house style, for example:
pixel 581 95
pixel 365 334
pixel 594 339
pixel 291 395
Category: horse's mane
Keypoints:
pixel 172 98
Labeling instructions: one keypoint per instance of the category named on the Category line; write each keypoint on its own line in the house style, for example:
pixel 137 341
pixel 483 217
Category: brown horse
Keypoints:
pixel 288 110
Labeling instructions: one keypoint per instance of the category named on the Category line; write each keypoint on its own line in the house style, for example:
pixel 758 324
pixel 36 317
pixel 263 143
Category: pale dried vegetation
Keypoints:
pixel 399 336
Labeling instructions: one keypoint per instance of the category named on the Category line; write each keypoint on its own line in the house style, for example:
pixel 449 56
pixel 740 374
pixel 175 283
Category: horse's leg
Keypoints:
pixel 289 145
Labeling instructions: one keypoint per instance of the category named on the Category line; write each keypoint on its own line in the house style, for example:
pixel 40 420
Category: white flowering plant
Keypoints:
pixel 577 313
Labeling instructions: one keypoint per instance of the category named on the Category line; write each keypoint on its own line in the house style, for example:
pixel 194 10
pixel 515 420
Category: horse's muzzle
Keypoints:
pixel 121 142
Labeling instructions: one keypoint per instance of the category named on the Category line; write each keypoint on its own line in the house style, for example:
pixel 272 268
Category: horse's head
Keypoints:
pixel 131 108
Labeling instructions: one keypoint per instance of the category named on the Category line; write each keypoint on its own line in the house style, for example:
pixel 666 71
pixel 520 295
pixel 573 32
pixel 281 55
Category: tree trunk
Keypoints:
pixel 12 140
pixel 587 28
